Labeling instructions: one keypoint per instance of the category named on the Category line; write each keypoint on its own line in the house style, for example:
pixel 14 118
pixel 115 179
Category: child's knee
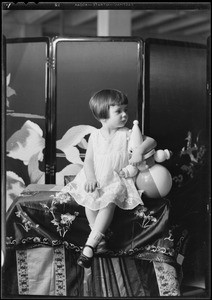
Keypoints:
pixel 111 206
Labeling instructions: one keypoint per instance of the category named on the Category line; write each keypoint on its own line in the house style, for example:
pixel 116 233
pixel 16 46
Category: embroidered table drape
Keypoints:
pixel 45 234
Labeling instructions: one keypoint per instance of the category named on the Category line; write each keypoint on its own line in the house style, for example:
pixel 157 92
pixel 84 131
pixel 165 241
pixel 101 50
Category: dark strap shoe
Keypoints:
pixel 85 261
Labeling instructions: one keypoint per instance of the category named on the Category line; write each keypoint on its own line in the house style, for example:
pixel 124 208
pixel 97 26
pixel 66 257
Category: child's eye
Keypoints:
pixel 119 111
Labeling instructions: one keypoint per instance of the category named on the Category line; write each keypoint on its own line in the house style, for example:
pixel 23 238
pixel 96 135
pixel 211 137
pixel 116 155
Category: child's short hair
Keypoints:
pixel 101 101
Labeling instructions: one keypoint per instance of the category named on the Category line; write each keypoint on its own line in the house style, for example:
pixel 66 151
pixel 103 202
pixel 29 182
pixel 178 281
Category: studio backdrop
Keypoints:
pixel 48 86
pixel 46 120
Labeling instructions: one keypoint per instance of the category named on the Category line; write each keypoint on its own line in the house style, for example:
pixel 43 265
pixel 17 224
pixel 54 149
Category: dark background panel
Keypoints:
pixel 83 68
pixel 175 92
pixel 26 62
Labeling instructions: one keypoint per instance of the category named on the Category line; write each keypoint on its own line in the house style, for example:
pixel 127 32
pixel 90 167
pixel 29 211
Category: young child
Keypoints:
pixel 98 186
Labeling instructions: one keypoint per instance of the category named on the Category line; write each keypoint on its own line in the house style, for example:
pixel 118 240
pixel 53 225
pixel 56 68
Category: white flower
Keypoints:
pixel 68 218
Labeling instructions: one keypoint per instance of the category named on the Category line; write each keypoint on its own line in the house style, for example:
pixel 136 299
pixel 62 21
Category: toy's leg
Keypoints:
pixel 128 171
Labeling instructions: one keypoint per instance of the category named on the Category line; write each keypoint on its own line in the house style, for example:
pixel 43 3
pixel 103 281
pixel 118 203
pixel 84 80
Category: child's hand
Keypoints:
pixel 91 185
pixel 122 174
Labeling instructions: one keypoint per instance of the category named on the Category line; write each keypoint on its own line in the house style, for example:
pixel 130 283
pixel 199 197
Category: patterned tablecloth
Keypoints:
pixel 39 219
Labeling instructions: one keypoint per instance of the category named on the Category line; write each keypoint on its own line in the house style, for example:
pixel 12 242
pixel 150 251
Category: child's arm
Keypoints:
pixel 138 153
pixel 91 182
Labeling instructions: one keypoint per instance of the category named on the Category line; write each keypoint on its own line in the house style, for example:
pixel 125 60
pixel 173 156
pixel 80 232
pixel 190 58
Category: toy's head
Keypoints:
pixel 135 138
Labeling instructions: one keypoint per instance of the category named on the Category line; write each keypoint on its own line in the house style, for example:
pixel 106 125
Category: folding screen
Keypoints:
pixel 82 67
pixel 26 122
pixel 58 82
pixel 176 115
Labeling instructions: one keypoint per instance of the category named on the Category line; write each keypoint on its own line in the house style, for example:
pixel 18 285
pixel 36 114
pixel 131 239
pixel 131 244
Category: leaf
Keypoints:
pixel 26 142
pixel 83 144
pixel 74 136
pixel 15 185
pixel 8 79
pixel 10 92
pixel 73 155
pixel 24 115
pixel 71 138
pixel 33 169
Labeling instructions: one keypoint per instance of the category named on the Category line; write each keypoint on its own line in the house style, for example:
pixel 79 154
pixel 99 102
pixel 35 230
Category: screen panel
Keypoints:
pixel 175 84
pixel 82 68
pixel 25 113
pixel 176 115
pixel 176 108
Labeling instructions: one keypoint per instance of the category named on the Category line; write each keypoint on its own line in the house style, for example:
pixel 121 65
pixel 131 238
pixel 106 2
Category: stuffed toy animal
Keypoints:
pixel 151 179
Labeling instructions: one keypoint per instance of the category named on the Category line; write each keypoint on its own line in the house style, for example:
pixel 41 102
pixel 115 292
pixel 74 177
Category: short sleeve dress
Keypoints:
pixel 110 156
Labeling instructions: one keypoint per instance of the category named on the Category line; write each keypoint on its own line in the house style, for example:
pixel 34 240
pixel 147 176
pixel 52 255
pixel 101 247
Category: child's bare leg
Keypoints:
pixel 102 222
pixel 91 216
pixel 104 218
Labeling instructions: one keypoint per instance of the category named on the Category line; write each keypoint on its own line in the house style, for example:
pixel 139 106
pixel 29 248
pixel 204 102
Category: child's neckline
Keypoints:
pixel 108 137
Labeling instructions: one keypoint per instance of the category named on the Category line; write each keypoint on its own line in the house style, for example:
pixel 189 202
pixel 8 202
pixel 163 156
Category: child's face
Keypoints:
pixel 118 116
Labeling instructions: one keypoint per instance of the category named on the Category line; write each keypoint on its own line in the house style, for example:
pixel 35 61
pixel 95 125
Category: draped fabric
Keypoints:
pixel 53 271
pixel 45 236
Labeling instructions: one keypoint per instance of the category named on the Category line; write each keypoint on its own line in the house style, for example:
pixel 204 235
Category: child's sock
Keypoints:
pixel 93 240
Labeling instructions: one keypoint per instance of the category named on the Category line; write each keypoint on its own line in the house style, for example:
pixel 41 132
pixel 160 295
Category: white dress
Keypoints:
pixel 110 156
